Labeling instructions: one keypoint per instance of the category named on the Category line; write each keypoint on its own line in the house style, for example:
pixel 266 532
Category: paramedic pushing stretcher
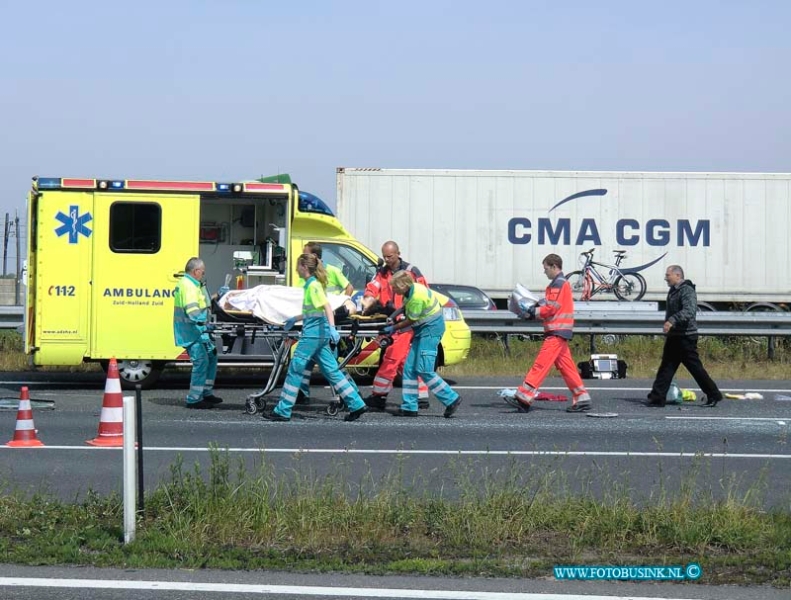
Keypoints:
pixel 556 310
pixel 424 316
pixel 380 290
pixel 336 284
pixel 318 330
pixel 191 330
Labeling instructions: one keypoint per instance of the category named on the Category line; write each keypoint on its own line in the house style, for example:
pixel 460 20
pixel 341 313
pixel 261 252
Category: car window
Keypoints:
pixel 357 267
pixel 467 296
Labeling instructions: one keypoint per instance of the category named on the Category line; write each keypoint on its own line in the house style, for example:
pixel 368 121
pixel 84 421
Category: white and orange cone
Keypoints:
pixel 25 432
pixel 111 421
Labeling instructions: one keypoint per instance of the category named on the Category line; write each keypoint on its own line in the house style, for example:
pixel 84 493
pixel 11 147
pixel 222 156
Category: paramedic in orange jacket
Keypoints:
pixel 381 290
pixel 556 310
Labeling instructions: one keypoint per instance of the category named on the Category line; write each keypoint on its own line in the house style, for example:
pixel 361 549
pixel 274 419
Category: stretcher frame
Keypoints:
pixel 356 328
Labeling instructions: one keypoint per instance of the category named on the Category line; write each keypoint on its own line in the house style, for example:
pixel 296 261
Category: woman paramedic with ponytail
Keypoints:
pixel 318 330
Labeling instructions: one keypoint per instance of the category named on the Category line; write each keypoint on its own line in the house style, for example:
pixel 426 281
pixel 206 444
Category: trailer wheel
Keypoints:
pixel 133 372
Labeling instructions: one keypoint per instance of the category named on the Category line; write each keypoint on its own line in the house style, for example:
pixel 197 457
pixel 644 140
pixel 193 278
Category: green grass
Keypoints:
pixel 512 522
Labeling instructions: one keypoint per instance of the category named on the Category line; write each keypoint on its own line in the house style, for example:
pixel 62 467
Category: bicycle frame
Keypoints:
pixel 596 282
pixel 626 284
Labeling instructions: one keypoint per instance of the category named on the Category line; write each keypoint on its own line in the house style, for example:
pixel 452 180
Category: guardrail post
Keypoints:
pixel 506 344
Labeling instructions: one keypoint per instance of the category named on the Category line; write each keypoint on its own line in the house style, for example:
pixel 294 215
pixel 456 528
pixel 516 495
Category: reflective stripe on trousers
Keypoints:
pixel 204 371
pixel 420 362
pixel 314 346
pixel 554 351
pixel 393 363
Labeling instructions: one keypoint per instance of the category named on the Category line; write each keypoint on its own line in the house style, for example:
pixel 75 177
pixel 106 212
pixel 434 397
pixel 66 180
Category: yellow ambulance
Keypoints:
pixel 104 256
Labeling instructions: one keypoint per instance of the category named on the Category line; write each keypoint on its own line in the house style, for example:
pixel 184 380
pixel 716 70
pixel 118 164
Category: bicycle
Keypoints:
pixel 626 284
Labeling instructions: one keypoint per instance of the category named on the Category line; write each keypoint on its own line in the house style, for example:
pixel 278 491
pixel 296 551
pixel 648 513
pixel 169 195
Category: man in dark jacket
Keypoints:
pixel 681 343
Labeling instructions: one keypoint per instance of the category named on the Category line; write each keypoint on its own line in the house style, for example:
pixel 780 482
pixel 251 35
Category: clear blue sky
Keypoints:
pixel 233 89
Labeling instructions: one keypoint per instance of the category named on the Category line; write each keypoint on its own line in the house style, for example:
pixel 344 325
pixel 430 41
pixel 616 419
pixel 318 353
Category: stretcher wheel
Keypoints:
pixel 333 408
pixel 250 406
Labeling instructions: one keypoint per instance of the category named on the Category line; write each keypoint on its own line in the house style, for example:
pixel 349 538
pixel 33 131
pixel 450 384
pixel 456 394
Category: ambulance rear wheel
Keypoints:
pixel 133 372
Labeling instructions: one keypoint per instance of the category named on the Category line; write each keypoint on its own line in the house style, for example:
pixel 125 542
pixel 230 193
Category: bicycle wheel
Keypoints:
pixel 630 287
pixel 580 285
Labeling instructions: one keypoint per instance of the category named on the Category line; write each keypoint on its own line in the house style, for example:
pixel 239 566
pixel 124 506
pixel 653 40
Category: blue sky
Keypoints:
pixel 232 89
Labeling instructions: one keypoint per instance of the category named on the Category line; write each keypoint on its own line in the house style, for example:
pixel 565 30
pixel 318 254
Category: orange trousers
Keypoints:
pixel 554 352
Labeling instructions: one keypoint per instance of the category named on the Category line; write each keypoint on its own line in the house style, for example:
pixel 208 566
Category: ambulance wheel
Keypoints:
pixel 134 372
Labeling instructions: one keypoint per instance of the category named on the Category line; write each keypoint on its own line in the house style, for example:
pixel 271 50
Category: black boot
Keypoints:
pixel 712 402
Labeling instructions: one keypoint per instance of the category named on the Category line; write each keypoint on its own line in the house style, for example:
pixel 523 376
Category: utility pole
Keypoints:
pixel 5 243
pixel 18 287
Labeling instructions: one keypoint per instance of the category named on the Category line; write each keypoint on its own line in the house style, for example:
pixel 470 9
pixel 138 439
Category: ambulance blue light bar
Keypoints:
pixel 106 184
pixel 48 183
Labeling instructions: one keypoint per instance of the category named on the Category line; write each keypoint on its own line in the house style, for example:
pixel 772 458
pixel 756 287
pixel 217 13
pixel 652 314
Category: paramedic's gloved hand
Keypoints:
pixel 389 308
pixel 389 329
pixel 222 291
pixel 210 327
pixel 289 324
pixel 205 338
pixel 530 313
pixel 335 337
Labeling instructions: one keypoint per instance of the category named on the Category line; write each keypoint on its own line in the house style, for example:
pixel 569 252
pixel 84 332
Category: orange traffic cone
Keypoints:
pixel 111 421
pixel 25 432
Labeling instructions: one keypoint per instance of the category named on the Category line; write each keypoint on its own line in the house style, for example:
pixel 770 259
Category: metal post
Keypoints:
pixel 139 422
pixel 593 344
pixel 18 286
pixel 5 244
pixel 506 344
pixel 130 516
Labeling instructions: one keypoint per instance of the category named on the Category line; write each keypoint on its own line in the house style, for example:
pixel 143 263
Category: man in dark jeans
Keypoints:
pixel 681 343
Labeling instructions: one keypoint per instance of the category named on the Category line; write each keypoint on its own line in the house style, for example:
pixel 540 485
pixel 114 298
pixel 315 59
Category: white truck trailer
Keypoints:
pixel 731 232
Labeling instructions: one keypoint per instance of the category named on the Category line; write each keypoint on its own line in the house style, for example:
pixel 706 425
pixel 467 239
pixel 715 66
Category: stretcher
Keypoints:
pixel 240 333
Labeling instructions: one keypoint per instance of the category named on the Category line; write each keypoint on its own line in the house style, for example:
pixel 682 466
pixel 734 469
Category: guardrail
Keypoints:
pixel 615 320
pixel 11 317
pixel 636 323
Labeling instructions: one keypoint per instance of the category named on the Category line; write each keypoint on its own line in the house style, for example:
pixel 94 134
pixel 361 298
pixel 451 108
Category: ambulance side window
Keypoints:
pixel 357 267
pixel 135 227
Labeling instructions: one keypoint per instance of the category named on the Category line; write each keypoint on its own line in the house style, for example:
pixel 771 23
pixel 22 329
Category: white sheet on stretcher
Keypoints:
pixel 273 303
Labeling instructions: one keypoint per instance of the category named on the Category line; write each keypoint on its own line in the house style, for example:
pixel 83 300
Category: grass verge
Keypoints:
pixel 724 358
pixel 511 522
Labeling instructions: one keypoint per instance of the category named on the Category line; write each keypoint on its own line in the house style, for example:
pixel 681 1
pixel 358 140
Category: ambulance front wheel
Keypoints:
pixel 133 372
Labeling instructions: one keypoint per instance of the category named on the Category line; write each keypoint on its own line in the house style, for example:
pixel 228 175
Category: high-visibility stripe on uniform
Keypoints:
pixel 557 312
pixel 191 306
pixel 421 305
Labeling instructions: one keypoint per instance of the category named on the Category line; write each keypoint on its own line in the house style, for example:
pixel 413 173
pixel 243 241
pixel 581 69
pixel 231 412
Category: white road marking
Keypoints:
pixel 778 420
pixel 615 388
pixel 240 588
pixel 421 452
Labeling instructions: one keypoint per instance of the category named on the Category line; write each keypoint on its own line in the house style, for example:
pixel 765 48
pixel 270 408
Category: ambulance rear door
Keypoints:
pixel 138 261
pixel 59 266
